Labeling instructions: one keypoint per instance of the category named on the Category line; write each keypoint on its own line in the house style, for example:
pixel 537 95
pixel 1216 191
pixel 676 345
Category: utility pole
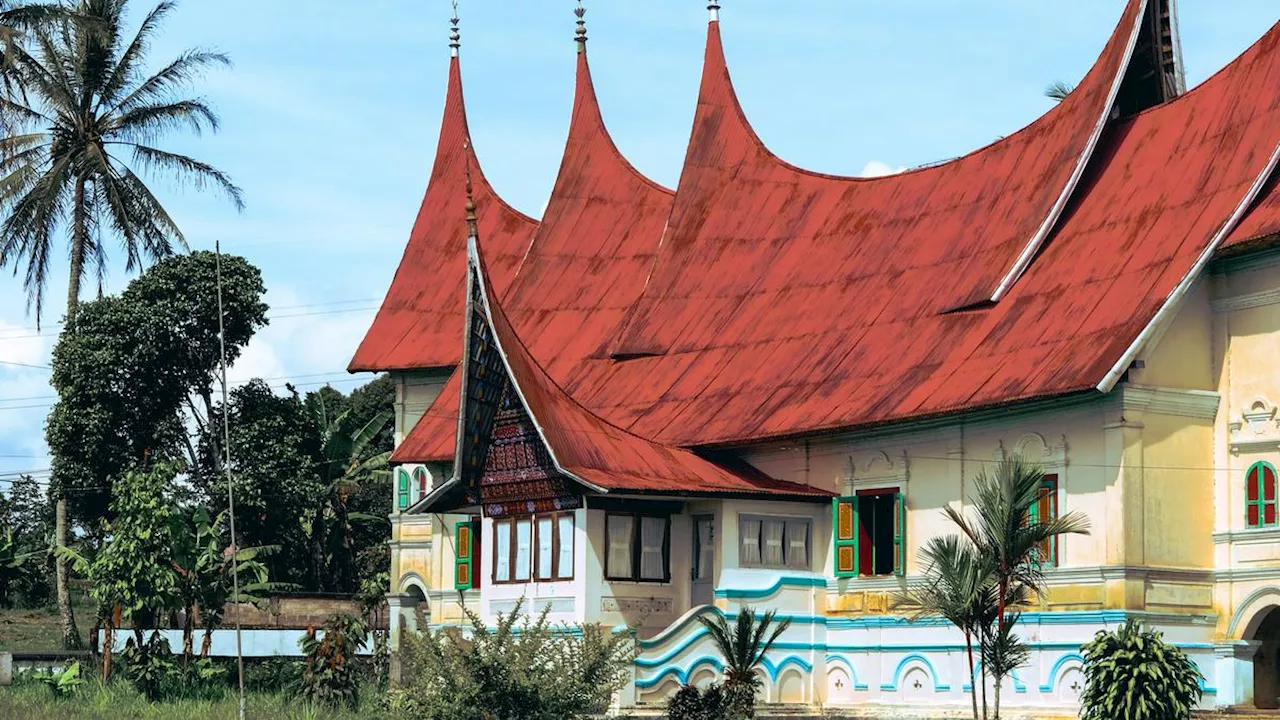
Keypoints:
pixel 231 496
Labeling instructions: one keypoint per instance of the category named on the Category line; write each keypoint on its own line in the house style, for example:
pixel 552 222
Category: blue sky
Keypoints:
pixel 330 117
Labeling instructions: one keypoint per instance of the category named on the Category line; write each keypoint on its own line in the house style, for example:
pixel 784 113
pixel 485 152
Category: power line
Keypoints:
pixel 24 365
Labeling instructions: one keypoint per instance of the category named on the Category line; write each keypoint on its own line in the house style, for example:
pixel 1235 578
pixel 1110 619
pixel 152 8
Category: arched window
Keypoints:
pixel 420 479
pixel 1261 493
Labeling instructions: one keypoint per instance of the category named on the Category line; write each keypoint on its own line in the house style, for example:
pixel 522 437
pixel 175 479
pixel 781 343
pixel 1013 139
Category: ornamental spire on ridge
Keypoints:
pixel 714 9
pixel 472 230
pixel 455 37
pixel 580 35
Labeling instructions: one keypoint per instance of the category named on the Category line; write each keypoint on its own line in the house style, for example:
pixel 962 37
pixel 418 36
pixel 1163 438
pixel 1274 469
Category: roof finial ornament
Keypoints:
pixel 455 37
pixel 472 230
pixel 714 7
pixel 580 36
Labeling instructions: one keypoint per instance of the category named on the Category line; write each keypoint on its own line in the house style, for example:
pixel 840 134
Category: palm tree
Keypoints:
pixel 1003 534
pixel 18 17
pixel 743 647
pixel 80 115
pixel 954 587
pixel 343 468
pixel 1058 90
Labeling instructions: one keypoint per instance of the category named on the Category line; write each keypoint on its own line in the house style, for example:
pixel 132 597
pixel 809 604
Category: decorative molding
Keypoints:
pixel 1257 260
pixel 649 606
pixel 1201 404
pixel 535 606
pixel 1250 535
pixel 1257 430
pixel 880 470
pixel 1246 302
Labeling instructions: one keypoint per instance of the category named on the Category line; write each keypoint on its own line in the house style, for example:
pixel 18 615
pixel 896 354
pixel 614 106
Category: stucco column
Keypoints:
pixel 401 616
pixel 1233 671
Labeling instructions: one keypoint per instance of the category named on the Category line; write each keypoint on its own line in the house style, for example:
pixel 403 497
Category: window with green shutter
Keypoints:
pixel 402 489
pixel 844 511
pixel 899 534
pixel 465 544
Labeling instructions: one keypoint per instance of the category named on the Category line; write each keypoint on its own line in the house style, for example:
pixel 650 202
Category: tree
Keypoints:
pixel 31 517
pixel 1003 534
pixel 743 646
pixel 1058 90
pixel 344 466
pixel 80 101
pixel 17 17
pixel 1133 673
pixel 955 586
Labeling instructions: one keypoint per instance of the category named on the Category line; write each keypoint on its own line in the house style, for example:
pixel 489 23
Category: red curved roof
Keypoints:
pixel 961 225
pixel 808 354
pixel 590 449
pixel 420 322
pixel 784 302
pixel 585 267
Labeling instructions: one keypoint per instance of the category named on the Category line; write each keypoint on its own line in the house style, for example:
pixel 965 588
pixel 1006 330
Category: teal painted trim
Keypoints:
pixel 666 635
pixel 902 664
pixel 1057 668
pixel 1114 617
pixel 761 593
pixel 682 676
pixel 853 673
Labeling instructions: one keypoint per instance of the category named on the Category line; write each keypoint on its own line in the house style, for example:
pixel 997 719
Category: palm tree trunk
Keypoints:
pixel 998 683
pixel 80 232
pixel 973 678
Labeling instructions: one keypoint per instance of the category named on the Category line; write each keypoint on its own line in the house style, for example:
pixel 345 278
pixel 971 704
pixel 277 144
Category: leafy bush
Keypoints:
pixel 61 683
pixel 273 675
pixel 1133 673
pixel 523 669
pixel 331 675
pixel 150 667
pixel 716 702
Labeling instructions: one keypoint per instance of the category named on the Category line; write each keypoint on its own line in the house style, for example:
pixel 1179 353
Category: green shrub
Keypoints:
pixel 1133 673
pixel 150 667
pixel 523 669
pixel 273 675
pixel 61 683
pixel 716 702
pixel 331 675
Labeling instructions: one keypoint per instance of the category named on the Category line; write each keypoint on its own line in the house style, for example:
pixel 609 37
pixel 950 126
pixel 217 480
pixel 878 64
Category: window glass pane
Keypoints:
pixel 1253 515
pixel 1269 514
pixel 706 550
pixel 653 533
pixel 546 542
pixel 524 532
pixel 502 551
pixel 772 552
pixel 798 544
pixel 565 563
pixel 1253 481
pixel 1268 483
pixel 620 545
pixel 750 542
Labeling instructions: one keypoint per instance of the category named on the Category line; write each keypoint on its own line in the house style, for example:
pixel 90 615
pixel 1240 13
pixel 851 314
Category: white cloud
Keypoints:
pixel 875 168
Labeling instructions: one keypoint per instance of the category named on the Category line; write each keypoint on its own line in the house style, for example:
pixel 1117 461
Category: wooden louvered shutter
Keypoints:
pixel 402 489
pixel 899 534
pixel 464 559
pixel 844 511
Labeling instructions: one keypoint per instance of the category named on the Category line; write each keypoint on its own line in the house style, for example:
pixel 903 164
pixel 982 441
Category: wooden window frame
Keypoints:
pixel 1049 488
pixel 466 557
pixel 786 520
pixel 402 489
pixel 1261 502
pixel 556 546
pixel 853 543
pixel 636 523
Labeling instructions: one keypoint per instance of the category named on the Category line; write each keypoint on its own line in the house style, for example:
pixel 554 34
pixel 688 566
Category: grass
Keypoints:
pixel 39 629
pixel 118 701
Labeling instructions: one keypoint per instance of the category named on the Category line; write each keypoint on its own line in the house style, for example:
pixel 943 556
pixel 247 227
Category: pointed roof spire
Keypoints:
pixel 714 8
pixel 580 36
pixel 455 37
pixel 472 229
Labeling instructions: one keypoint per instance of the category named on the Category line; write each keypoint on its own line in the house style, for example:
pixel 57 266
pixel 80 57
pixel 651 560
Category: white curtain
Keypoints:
pixel 706 550
pixel 502 551
pixel 773 554
pixel 524 532
pixel 798 544
pixel 546 540
pixel 565 569
pixel 653 532
pixel 750 542
pixel 620 545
